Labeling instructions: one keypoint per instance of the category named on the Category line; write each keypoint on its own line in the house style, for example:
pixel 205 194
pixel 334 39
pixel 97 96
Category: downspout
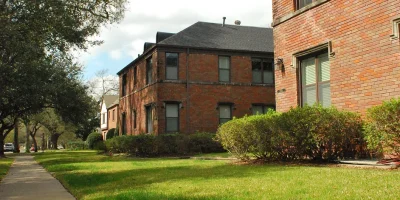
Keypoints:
pixel 187 92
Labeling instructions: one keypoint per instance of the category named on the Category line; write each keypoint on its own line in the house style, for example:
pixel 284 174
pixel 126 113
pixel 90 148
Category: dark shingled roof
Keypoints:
pixel 228 37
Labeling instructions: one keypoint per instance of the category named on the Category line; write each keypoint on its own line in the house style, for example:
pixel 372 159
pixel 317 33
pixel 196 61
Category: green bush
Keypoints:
pixel 111 133
pixel 77 145
pixel 163 145
pixel 382 130
pixel 202 142
pixel 93 138
pixel 309 132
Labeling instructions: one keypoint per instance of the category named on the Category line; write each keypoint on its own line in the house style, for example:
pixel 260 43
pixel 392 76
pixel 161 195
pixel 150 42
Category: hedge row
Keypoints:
pixel 310 132
pixel 162 145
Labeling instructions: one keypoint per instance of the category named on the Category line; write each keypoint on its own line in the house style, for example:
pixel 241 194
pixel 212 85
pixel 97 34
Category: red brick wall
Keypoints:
pixel 366 67
pixel 203 94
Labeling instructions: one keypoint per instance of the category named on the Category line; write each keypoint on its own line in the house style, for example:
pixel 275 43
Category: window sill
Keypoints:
pixel 297 12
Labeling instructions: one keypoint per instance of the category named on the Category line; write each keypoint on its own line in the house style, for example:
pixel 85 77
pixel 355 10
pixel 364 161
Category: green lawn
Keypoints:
pixel 5 164
pixel 91 176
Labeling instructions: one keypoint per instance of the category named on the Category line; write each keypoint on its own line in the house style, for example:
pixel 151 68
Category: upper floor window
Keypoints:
pixel 171 70
pixel 135 75
pixel 124 85
pixel 149 70
pixel 263 71
pixel 315 80
pixel 302 3
pixel 113 115
pixel 224 66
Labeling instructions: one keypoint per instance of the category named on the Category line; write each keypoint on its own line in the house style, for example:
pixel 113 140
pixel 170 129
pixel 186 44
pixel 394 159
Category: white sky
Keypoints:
pixel 124 41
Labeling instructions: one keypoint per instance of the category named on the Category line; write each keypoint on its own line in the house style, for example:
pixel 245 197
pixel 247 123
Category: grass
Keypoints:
pixel 5 164
pixel 88 175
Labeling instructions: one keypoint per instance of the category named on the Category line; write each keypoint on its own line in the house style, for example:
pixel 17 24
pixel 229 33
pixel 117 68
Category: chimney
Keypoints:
pixel 238 22
pixel 223 23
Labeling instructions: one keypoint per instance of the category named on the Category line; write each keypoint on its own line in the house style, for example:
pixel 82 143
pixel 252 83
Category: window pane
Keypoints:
pixel 325 94
pixel 309 95
pixel 222 121
pixel 172 110
pixel 224 62
pixel 308 71
pixel 149 68
pixel 268 72
pixel 257 71
pixel 224 75
pixel 324 67
pixel 225 111
pixel 172 59
pixel 172 124
pixel 257 110
pixel 149 120
pixel 303 3
pixel 172 73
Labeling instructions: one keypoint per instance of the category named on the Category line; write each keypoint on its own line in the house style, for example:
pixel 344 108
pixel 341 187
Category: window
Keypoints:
pixel 258 109
pixel 149 119
pixel 172 117
pixel 315 80
pixel 124 85
pixel 123 124
pixel 134 119
pixel 113 115
pixel 301 3
pixel 109 115
pixel 104 118
pixel 224 68
pixel 225 113
pixel 149 71
pixel 396 29
pixel 263 71
pixel 171 69
pixel 135 75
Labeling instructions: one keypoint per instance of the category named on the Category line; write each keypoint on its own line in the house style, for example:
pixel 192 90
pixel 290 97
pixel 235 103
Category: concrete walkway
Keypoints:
pixel 28 180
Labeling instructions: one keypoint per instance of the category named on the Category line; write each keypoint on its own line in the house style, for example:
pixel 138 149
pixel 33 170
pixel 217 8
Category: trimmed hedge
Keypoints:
pixel 310 132
pixel 77 145
pixel 111 133
pixel 94 138
pixel 163 145
pixel 383 128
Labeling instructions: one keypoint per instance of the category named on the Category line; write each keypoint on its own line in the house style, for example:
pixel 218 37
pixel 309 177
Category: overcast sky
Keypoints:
pixel 124 41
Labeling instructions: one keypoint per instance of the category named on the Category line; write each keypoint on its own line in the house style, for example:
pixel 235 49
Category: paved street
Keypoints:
pixel 28 180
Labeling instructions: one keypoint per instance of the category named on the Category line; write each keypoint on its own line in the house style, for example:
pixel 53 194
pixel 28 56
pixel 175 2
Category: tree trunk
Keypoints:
pixel 43 142
pixel 16 142
pixel 34 142
pixel 54 140
pixel 2 145
pixel 27 143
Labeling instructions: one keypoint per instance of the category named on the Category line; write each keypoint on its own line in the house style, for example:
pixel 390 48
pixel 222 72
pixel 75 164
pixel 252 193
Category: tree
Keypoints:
pixel 32 125
pixel 103 84
pixel 35 39
pixel 84 129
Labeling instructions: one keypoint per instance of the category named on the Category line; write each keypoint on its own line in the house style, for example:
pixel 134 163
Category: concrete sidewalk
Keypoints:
pixel 28 180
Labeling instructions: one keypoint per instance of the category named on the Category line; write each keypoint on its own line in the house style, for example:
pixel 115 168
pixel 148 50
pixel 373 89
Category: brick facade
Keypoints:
pixel 365 60
pixel 197 89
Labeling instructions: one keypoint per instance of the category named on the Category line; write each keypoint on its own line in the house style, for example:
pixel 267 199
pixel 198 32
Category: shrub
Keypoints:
pixel 303 132
pixel 77 145
pixel 382 130
pixel 172 144
pixel 111 133
pixel 146 145
pixel 93 138
pixel 202 142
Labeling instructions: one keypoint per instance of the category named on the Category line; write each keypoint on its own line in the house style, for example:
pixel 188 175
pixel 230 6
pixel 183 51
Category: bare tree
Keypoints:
pixel 103 84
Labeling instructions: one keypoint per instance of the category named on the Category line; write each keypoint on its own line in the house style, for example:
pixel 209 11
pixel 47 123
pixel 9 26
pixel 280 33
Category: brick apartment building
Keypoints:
pixel 344 53
pixel 109 113
pixel 198 78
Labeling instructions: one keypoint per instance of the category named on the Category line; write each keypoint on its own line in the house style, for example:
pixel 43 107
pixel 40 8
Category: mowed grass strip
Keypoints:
pixel 88 175
pixel 5 164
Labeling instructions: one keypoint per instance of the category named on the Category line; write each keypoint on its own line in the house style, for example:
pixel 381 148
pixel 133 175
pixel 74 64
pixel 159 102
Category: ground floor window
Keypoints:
pixel 172 117
pixel 123 124
pixel 258 109
pixel 149 119
pixel 225 113
pixel 315 80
